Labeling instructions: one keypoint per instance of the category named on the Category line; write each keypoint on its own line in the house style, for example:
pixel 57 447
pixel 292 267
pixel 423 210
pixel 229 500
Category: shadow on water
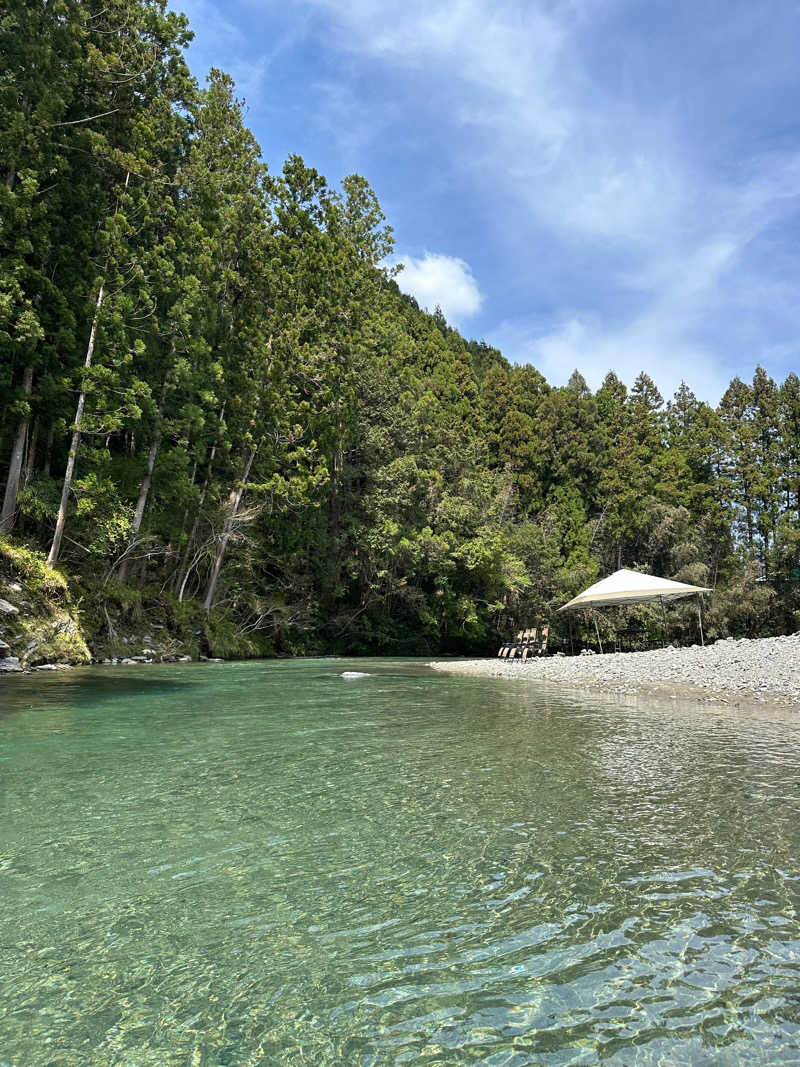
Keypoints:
pixel 38 690
pixel 90 687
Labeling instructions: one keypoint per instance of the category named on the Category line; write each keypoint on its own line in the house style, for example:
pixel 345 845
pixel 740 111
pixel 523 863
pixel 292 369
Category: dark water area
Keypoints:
pixel 267 863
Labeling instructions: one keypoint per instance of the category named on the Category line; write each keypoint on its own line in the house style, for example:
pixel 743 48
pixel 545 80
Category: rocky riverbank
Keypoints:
pixel 39 621
pixel 764 670
pixel 48 622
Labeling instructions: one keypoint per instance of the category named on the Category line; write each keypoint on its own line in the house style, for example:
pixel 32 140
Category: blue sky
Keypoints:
pixel 597 184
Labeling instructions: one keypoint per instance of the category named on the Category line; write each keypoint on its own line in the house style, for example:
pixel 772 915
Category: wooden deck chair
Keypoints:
pixel 530 643
pixel 504 650
pixel 543 644
pixel 512 651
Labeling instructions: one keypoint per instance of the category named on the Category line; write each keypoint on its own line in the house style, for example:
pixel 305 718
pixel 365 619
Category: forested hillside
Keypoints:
pixel 221 415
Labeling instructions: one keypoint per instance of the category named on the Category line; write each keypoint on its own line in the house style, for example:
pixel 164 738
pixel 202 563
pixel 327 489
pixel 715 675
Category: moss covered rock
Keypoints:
pixel 46 627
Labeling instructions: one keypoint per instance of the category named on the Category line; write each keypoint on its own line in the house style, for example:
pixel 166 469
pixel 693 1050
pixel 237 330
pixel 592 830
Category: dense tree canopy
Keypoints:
pixel 221 409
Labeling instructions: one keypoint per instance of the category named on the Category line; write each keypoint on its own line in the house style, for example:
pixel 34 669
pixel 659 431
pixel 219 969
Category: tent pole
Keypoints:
pixel 700 618
pixel 597 631
pixel 664 620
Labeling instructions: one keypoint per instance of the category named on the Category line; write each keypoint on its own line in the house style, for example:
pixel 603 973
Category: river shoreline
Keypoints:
pixel 733 672
pixel 759 671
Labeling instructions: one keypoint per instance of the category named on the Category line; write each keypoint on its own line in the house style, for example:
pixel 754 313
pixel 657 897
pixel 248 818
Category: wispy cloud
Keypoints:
pixel 446 281
pixel 623 178
pixel 649 343
pixel 577 159
pixel 595 160
pixel 222 40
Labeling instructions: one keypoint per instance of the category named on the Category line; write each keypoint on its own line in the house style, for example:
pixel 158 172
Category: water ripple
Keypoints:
pixel 270 867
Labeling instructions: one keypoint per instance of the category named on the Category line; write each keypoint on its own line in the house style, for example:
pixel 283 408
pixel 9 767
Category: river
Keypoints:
pixel 268 863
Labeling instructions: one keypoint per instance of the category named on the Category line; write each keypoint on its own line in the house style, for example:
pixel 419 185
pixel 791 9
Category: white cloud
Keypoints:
pixel 575 161
pixel 444 280
pixel 664 338
pixel 587 344
pixel 584 167
pixel 621 205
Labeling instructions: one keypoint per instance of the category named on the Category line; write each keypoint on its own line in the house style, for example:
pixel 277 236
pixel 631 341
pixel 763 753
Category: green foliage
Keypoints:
pixel 225 638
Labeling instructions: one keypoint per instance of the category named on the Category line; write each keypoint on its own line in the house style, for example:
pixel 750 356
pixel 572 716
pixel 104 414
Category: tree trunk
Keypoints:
pixel 48 450
pixel 183 580
pixel 183 570
pixel 185 518
pixel 55 548
pixel 183 573
pixel 148 475
pixel 15 465
pixel 338 471
pixel 31 461
pixel 234 500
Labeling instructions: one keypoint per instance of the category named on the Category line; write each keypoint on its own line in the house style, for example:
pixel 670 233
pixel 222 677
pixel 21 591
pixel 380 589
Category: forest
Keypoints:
pixel 220 412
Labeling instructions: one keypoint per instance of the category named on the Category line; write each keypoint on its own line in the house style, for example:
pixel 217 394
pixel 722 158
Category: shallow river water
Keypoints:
pixel 268 863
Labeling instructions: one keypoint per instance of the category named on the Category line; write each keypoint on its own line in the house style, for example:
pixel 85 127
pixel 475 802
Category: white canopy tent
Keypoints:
pixel 631 587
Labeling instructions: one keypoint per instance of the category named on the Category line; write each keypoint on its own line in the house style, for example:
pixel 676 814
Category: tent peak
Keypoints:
pixel 631 587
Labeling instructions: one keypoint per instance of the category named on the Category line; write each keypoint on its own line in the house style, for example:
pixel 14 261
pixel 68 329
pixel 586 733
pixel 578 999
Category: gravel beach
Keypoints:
pixel 765 670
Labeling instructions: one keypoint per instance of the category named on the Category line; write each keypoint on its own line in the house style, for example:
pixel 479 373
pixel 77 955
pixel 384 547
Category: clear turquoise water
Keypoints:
pixel 267 863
